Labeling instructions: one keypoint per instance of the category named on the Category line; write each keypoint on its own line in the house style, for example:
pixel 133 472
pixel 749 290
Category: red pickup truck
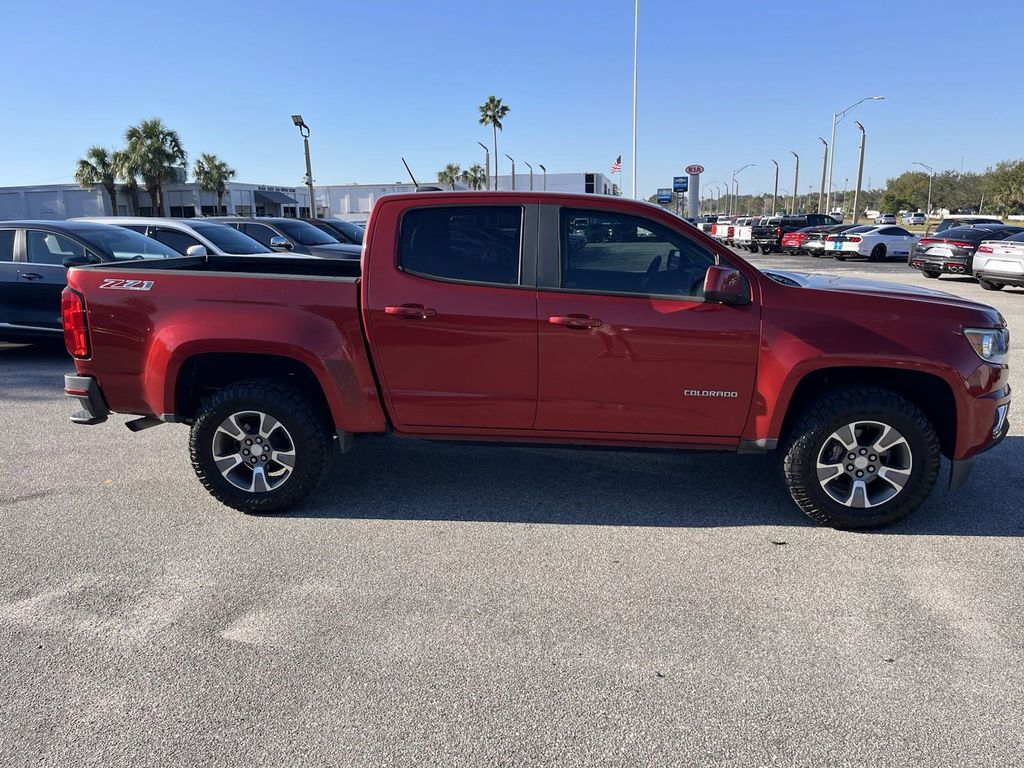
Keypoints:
pixel 491 316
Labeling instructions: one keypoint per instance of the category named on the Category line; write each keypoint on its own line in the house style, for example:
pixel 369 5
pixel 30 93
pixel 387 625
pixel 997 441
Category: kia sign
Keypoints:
pixel 695 169
pixel 680 183
pixel 664 196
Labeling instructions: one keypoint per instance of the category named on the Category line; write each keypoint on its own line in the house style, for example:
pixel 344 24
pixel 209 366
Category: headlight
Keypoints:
pixel 991 344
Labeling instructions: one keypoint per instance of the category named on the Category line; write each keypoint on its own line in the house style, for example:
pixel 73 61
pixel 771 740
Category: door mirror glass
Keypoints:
pixel 196 250
pixel 725 285
pixel 279 243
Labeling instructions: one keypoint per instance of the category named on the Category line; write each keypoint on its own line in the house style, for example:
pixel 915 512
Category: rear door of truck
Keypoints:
pixel 450 309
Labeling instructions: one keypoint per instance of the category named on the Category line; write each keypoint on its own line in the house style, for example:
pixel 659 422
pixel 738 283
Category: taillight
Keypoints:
pixel 778 231
pixel 729 234
pixel 960 244
pixel 853 239
pixel 714 229
pixel 76 324
pixel 984 249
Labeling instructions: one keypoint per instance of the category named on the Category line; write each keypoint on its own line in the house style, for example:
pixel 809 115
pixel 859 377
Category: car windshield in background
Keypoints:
pixel 353 231
pixel 125 244
pixel 305 234
pixel 229 240
pixel 970 233
pixel 950 223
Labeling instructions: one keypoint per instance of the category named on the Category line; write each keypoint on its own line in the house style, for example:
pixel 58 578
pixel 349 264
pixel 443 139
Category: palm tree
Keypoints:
pixel 156 151
pixel 492 112
pixel 97 169
pixel 213 175
pixel 449 174
pixel 128 174
pixel 475 177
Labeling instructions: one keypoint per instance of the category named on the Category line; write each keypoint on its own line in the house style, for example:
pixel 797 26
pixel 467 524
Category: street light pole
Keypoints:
pixel 736 188
pixel 545 171
pixel 928 209
pixel 836 118
pixel 487 163
pixel 860 172
pixel 531 174
pixel 513 172
pixel 796 181
pixel 824 163
pixel 775 194
pixel 304 131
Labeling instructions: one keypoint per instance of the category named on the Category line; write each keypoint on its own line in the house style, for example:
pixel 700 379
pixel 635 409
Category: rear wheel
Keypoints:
pixel 860 457
pixel 931 274
pixel 988 285
pixel 259 445
pixel 877 253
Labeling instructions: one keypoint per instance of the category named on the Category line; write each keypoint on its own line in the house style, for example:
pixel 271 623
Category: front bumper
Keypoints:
pixel 86 391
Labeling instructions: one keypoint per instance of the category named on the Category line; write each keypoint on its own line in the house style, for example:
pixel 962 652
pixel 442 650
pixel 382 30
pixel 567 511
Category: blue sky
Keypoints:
pixel 720 84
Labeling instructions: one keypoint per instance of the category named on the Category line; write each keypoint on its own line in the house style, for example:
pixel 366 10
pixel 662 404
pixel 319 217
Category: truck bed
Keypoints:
pixel 246 265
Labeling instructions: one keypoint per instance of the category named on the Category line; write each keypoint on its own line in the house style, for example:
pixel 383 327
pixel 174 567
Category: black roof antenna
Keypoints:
pixel 409 171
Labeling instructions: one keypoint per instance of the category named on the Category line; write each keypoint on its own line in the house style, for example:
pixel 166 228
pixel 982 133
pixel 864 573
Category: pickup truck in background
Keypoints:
pixel 768 236
pixel 472 318
pixel 742 237
pixel 724 229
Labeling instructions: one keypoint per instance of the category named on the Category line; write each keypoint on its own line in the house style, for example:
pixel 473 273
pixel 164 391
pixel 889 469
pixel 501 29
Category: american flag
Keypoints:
pixel 617 165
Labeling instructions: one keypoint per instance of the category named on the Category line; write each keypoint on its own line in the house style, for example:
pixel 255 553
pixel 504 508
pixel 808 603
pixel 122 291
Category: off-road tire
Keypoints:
pixel 988 285
pixel 832 410
pixel 305 423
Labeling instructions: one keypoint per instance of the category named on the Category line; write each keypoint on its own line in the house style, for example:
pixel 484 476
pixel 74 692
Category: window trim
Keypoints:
pixel 558 288
pixel 527 221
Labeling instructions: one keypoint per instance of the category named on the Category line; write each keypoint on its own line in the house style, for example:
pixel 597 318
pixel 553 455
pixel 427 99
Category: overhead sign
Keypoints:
pixel 695 168
pixel 664 196
pixel 680 183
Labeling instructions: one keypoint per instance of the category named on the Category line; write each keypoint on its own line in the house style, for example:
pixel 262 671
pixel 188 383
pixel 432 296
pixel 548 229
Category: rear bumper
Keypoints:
pixel 1006 278
pixel 953 265
pixel 85 390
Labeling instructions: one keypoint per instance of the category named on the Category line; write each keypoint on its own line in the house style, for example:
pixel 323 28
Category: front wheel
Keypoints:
pixel 860 457
pixel 259 445
pixel 988 285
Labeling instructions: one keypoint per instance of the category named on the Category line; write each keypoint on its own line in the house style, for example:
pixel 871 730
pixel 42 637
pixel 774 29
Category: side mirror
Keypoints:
pixel 196 250
pixel 279 243
pixel 725 285
pixel 79 260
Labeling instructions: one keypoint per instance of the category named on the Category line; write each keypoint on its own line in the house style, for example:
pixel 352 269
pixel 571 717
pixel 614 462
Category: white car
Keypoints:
pixel 872 242
pixel 914 218
pixel 189 237
pixel 1000 262
pixel 885 218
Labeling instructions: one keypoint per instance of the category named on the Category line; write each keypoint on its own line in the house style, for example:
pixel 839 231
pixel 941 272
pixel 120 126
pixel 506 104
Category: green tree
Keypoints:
pixel 475 177
pixel 449 174
pixel 492 113
pixel 98 169
pixel 156 151
pixel 128 174
pixel 1005 187
pixel 213 175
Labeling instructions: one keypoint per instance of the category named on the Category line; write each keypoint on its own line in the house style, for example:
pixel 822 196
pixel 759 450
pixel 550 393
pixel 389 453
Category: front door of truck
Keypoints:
pixel 452 316
pixel 627 344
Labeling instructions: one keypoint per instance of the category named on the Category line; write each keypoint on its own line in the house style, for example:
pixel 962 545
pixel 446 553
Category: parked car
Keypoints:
pixel 871 241
pixel 341 230
pixel 189 237
pixel 291 235
pixel 470 323
pixel 768 236
pixel 1000 262
pixel 959 220
pixel 885 218
pixel 34 257
pixel 952 250
pixel 814 244
pixel 742 236
pixel 914 218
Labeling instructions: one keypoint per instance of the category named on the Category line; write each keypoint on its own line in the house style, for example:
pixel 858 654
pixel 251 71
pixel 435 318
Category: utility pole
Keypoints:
pixel 931 173
pixel 824 163
pixel 531 174
pixel 545 171
pixel 513 172
pixel 775 194
pixel 796 181
pixel 304 131
pixel 487 163
pixel 836 118
pixel 860 172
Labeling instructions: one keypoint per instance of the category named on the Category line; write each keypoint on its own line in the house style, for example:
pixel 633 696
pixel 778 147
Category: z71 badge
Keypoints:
pixel 119 284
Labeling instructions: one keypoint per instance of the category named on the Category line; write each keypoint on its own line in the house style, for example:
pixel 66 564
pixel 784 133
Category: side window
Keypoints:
pixel 259 232
pixel 140 228
pixel 48 248
pixel 477 243
pixel 615 253
pixel 172 238
pixel 6 245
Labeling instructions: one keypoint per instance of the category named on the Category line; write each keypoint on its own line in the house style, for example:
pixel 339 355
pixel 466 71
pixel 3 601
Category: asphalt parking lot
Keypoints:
pixel 454 605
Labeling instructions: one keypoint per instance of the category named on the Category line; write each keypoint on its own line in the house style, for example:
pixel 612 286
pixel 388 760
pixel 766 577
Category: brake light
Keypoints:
pixel 853 239
pixel 714 229
pixel 778 231
pixel 730 232
pixel 76 323
pixel 927 240
pixel 960 244
pixel 984 249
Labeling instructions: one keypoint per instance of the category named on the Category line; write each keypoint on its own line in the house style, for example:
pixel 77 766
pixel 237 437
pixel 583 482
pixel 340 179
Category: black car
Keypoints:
pixel 34 257
pixel 343 231
pixel 814 245
pixel 294 235
pixel 952 250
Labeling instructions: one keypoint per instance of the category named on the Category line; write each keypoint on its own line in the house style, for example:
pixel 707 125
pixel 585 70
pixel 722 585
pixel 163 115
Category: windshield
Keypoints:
pixel 229 240
pixel 950 223
pixel 126 244
pixel 352 231
pixel 305 234
pixel 855 230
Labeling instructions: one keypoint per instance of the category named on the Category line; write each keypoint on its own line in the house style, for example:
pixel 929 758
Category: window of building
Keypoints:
pixel 243 210
pixel 303 212
pixel 615 253
pixel 172 238
pixel 213 210
pixel 145 210
pixel 48 248
pixel 479 244
pixel 288 211
pixel 6 245
pixel 183 211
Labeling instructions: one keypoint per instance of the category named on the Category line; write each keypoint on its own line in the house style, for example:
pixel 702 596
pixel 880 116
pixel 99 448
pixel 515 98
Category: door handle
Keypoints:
pixel 410 311
pixel 31 276
pixel 581 322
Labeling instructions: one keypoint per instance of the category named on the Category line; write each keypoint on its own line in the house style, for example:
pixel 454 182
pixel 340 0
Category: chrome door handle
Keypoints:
pixel 31 276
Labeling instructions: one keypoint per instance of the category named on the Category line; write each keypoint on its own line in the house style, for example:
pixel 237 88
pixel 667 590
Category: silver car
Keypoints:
pixel 189 237
pixel 1000 262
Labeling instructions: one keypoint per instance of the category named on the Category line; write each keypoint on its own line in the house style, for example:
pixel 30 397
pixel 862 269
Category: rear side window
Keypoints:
pixel 172 238
pixel 48 248
pixel 259 232
pixel 478 244
pixel 6 245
